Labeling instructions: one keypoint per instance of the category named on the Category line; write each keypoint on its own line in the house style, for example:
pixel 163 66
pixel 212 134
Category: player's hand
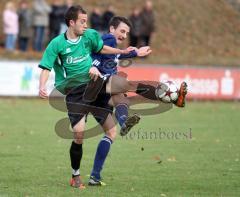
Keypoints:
pixel 143 51
pixel 94 73
pixel 43 93
pixel 127 50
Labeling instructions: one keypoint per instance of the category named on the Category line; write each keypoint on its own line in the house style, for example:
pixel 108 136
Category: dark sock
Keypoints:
pixel 101 154
pixel 75 155
pixel 121 113
pixel 147 91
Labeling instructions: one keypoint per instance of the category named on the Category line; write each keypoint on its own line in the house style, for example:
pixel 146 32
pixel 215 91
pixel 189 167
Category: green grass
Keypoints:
pixel 34 161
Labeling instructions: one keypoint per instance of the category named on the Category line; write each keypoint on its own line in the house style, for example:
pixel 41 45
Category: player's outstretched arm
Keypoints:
pixel 135 52
pixel 110 50
pixel 42 83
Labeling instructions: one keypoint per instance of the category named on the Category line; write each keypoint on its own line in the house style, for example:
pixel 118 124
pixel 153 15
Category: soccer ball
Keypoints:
pixel 167 92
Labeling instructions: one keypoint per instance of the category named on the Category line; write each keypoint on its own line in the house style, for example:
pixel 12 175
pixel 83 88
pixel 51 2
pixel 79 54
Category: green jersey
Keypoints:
pixel 71 60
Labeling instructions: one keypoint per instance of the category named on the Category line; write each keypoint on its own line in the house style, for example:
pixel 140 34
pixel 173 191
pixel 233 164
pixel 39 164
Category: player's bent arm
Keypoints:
pixel 110 50
pixel 42 83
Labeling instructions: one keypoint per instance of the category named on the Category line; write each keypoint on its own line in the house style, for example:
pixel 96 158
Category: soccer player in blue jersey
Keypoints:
pixel 119 28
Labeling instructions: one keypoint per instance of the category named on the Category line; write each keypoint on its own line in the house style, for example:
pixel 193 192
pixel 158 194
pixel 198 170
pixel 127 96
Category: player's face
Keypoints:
pixel 80 25
pixel 121 32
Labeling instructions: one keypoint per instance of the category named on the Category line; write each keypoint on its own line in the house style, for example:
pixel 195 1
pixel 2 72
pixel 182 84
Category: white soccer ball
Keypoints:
pixel 167 92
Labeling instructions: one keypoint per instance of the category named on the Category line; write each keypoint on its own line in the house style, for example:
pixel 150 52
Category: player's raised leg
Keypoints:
pixel 102 151
pixel 147 89
pixel 118 84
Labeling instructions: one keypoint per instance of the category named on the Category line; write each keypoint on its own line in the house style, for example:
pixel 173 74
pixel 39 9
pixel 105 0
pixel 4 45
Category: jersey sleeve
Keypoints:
pixel 96 40
pixel 49 56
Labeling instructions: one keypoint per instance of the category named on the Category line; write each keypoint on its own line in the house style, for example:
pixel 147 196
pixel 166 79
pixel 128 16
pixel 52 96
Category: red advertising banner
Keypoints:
pixel 203 82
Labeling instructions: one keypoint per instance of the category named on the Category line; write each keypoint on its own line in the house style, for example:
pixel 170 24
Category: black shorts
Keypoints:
pixel 78 107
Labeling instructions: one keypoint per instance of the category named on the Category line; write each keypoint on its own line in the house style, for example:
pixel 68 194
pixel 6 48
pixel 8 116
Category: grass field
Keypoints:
pixel 34 161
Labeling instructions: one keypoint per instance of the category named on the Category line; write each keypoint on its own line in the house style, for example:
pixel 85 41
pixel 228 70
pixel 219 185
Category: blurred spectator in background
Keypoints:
pixel 135 32
pixel 25 25
pixel 148 23
pixel 107 15
pixel 56 18
pixel 67 4
pixel 41 12
pixel 96 20
pixel 10 25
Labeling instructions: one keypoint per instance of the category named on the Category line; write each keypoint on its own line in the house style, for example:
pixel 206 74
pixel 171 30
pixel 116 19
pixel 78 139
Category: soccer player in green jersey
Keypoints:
pixel 69 55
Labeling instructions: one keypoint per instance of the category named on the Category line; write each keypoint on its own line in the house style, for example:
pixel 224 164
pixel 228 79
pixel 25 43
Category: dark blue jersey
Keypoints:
pixel 107 64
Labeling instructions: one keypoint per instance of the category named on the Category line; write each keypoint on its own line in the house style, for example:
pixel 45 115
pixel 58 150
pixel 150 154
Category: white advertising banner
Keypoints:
pixel 216 83
pixel 21 78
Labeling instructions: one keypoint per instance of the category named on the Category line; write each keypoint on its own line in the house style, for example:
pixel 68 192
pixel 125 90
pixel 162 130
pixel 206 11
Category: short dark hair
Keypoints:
pixel 72 13
pixel 116 20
